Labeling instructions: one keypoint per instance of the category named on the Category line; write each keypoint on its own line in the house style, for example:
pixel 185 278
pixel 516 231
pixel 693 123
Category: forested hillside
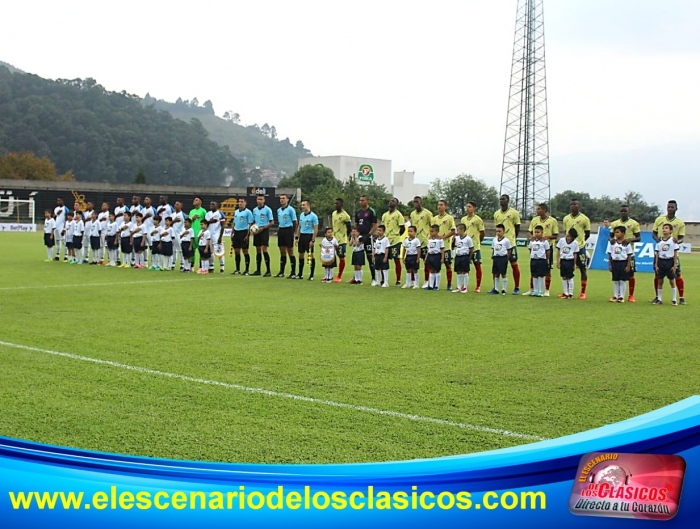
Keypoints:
pixel 106 136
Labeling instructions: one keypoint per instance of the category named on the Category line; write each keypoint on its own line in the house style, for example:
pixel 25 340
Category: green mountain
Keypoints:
pixel 254 146
pixel 105 136
pixel 10 67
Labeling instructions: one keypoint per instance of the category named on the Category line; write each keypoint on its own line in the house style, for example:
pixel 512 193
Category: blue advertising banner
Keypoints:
pixel 643 252
pixel 552 483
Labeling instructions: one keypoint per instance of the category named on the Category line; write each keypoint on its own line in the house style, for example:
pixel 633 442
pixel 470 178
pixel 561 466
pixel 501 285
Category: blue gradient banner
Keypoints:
pixel 525 486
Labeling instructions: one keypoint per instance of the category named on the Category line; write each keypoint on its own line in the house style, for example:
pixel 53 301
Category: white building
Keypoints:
pixel 405 187
pixel 368 170
pixel 364 170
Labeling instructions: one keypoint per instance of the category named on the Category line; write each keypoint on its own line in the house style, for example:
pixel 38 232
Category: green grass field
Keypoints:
pixel 487 368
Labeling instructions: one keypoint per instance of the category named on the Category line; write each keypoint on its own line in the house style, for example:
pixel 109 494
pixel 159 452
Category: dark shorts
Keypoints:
pixel 342 250
pixel 262 238
pixel 433 262
pixel 448 258
pixel 126 245
pixel 70 245
pixel 514 254
pixel 568 266
pixel 366 239
pixel 166 248
pixel 412 262
pixel 500 265
pixel 581 258
pixel 239 241
pixel 618 271
pixel 186 247
pixel 462 264
pixel 49 240
pixel 304 241
pixel 95 242
pixel 476 257
pixel 155 249
pixel 138 244
pixel 77 241
pixel 665 272
pixel 358 258
pixel 205 254
pixel 539 267
pixel 395 251
pixel 379 263
pixel 112 243
pixel 285 237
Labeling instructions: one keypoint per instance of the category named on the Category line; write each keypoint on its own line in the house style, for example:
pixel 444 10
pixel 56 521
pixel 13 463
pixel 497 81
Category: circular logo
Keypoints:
pixel 366 173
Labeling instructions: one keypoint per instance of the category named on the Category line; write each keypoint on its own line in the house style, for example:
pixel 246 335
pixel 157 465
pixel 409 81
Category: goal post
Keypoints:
pixel 17 214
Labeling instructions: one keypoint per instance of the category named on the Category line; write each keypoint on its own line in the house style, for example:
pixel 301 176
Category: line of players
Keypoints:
pixel 389 241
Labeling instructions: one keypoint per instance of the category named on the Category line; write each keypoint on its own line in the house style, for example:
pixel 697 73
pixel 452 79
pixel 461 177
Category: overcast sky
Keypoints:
pixel 424 84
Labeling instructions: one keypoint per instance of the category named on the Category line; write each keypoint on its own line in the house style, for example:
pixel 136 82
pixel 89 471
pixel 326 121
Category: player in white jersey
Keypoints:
pixel 60 213
pixel 103 220
pixel 111 240
pixel 216 219
pixel 164 210
pixel 464 248
pixel 149 213
pixel 380 256
pixel 95 238
pixel 568 250
pixel 154 235
pixel 435 258
pixel 539 261
pixel 329 249
pixel 166 244
pixel 126 246
pixel 78 236
pixel 49 235
pixel 412 256
pixel 178 218
pixel 186 246
pixel 69 228
pixel 87 219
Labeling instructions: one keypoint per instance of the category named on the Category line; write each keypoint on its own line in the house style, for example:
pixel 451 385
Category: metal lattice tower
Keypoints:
pixel 525 173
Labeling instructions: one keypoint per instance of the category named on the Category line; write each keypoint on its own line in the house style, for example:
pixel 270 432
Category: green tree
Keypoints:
pixel 140 177
pixel 461 189
pixel 27 166
pixel 605 207
pixel 309 177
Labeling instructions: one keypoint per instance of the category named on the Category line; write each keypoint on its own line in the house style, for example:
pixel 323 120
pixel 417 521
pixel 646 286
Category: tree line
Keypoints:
pixel 105 136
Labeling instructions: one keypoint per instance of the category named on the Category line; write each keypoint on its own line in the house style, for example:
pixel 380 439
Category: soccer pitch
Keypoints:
pixel 253 369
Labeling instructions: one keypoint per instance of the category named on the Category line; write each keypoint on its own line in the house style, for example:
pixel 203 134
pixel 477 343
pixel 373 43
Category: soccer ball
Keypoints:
pixel 254 229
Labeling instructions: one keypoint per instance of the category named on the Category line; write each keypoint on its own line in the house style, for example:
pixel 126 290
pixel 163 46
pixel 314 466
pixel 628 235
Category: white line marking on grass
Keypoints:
pixel 353 407
pixel 81 285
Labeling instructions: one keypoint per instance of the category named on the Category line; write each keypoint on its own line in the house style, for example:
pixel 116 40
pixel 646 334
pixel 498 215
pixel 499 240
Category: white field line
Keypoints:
pixel 342 405
pixel 82 285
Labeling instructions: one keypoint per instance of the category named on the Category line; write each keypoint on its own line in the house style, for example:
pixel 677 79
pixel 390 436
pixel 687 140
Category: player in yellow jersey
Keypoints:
pixel 394 229
pixel 510 219
pixel 633 233
pixel 422 219
pixel 582 224
pixel 446 231
pixel 550 233
pixel 340 219
pixel 476 231
pixel 678 234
